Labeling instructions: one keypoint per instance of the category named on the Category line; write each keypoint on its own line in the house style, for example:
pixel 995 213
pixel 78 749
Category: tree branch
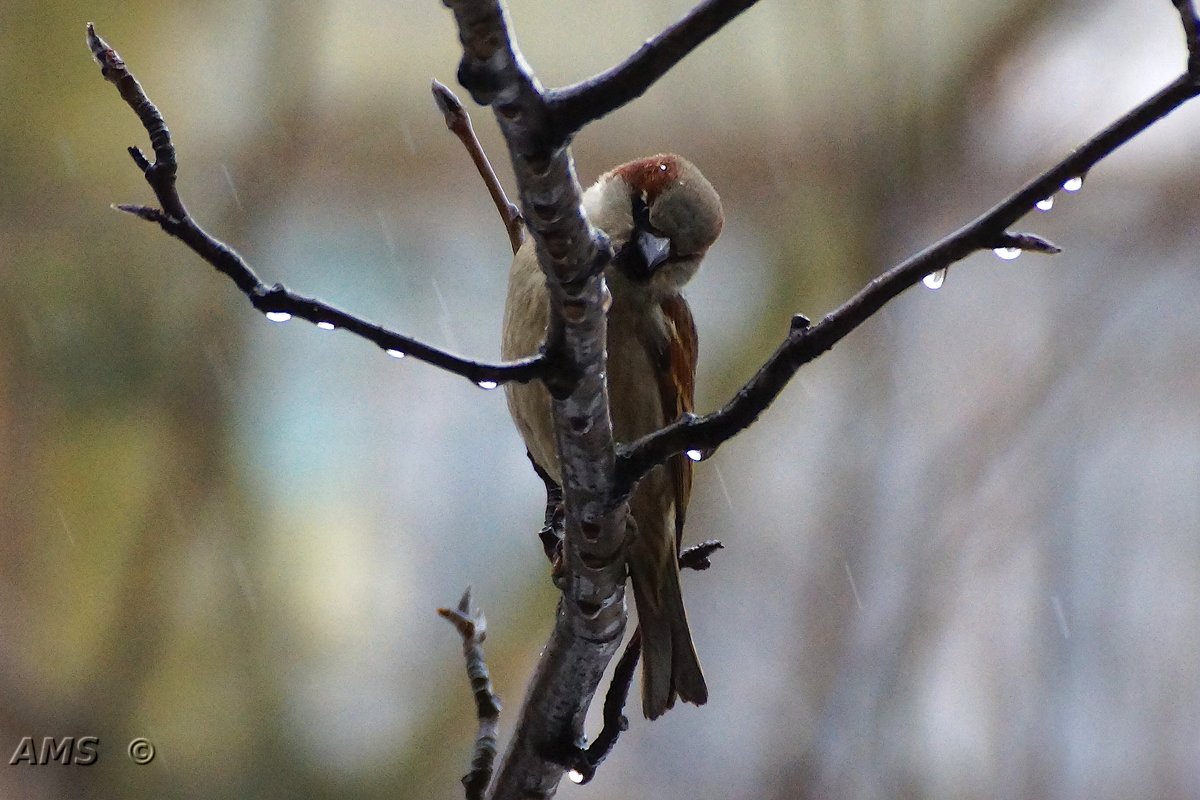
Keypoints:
pixel 805 342
pixel 459 123
pixel 591 618
pixel 1191 32
pixel 276 302
pixel 596 478
pixel 472 627
pixel 575 106
pixel 586 762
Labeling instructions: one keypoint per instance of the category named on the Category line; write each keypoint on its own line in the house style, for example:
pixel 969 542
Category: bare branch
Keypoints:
pixel 586 762
pixel 161 174
pixel 459 123
pixel 697 556
pixel 575 106
pixel 591 614
pixel 591 619
pixel 1191 31
pixel 276 302
pixel 472 627
pixel 805 342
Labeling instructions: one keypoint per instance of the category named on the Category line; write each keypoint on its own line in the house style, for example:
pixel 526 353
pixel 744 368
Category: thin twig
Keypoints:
pixel 161 174
pixel 575 106
pixel 277 302
pixel 697 556
pixel 472 627
pixel 459 123
pixel 804 342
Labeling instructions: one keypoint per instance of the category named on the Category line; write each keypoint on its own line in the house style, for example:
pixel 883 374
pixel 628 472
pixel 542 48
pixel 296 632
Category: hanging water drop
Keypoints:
pixel 934 280
pixel 395 353
pixel 694 455
pixel 278 316
pixel 1073 184
pixel 326 326
pixel 1045 205
pixel 487 384
pixel 576 776
pixel 1007 253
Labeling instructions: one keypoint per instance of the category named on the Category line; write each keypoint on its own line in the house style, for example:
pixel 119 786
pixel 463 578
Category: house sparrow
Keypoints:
pixel 661 216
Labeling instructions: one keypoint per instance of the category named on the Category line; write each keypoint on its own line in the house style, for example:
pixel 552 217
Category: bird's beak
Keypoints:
pixel 653 249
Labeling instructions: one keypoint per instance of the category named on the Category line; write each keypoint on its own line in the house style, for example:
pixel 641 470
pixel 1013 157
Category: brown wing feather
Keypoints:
pixel 677 385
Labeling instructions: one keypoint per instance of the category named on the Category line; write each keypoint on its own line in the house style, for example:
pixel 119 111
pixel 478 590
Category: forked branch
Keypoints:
pixel 276 302
pixel 1191 32
pixel 804 342
pixel 597 477
pixel 472 627
pixel 575 106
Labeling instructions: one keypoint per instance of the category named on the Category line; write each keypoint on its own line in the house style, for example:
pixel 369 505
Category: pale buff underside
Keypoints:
pixel 636 405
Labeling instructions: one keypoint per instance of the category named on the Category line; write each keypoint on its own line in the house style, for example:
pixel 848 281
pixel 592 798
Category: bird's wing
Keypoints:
pixel 677 386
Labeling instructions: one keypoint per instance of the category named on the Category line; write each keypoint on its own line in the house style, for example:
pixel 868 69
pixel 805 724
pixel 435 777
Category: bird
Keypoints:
pixel 661 215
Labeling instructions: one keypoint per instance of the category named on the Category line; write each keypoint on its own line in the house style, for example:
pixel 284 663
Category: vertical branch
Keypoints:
pixel 591 615
pixel 472 627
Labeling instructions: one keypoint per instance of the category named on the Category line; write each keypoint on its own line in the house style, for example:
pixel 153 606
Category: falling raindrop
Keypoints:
pixel 853 585
pixel 724 487
pixel 278 316
pixel 232 189
pixel 1061 616
pixel 407 136
pixel 244 583
pixel 326 326
pixel 695 455
pixel 576 776
pixel 388 238
pixel 1007 253
pixel 70 164
pixel 488 384
pixel 1073 184
pixel 934 280
pixel 62 518
pixel 1045 205
pixel 395 353
pixel 445 317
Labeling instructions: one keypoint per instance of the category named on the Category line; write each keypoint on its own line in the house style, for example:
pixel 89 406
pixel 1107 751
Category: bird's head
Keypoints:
pixel 661 216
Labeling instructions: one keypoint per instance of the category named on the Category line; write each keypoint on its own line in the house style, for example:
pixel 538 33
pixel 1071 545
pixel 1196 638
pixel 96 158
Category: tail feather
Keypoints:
pixel 670 667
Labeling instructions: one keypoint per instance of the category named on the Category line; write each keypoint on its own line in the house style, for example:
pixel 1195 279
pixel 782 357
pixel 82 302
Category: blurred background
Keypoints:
pixel 962 555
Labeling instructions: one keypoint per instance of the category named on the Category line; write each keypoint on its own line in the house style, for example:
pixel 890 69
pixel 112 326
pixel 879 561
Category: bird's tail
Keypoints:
pixel 670 667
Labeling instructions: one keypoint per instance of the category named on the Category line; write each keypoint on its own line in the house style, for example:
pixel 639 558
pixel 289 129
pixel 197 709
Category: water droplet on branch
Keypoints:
pixel 1045 205
pixel 326 326
pixel 487 384
pixel 575 776
pixel 695 455
pixel 1073 184
pixel 278 316
pixel 934 280
pixel 1008 253
pixel 395 353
